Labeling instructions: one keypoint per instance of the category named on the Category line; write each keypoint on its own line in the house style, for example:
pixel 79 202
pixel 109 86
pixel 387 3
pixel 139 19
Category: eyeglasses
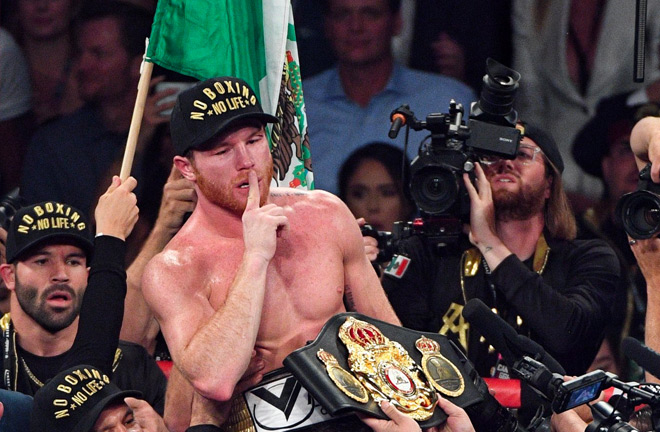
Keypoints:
pixel 526 155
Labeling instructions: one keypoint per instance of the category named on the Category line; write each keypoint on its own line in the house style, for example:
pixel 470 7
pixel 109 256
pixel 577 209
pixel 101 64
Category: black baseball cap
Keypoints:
pixel 73 400
pixel 47 221
pixel 208 108
pixel 612 122
pixel 545 142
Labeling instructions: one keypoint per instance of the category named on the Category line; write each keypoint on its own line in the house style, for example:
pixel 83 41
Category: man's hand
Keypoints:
pixel 398 422
pixel 645 144
pixel 457 419
pixel 568 421
pixel 261 225
pixel 482 209
pixel 117 212
pixel 179 198
pixel 148 419
pixel 152 117
pixel 370 243
pixel 647 254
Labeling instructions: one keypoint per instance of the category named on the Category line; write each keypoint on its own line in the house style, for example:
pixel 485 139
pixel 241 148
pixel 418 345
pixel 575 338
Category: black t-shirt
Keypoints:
pixel 97 337
pixel 565 308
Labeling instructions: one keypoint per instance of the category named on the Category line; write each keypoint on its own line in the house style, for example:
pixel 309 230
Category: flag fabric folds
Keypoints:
pixel 250 39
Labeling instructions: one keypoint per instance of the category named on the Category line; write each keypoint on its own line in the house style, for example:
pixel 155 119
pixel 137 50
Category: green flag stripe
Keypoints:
pixel 208 38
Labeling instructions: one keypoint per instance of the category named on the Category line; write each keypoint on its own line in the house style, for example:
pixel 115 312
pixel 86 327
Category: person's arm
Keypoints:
pixel 182 407
pixel 578 303
pixel 98 333
pixel 645 144
pixel 139 324
pixel 213 348
pixel 146 416
pixel 647 254
pixel 363 291
pixel 567 307
pixel 483 233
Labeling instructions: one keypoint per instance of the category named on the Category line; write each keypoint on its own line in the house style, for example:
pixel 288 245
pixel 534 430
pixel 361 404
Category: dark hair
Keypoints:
pixel 559 217
pixel 394 5
pixel 134 22
pixel 392 159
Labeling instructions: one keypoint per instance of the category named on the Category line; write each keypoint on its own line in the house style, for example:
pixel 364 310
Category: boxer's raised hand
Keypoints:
pixel 261 225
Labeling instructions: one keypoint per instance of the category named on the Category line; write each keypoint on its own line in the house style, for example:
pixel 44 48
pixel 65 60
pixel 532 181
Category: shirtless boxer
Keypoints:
pixel 254 268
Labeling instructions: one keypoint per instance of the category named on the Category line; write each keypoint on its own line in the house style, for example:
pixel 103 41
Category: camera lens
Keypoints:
pixel 640 214
pixel 434 189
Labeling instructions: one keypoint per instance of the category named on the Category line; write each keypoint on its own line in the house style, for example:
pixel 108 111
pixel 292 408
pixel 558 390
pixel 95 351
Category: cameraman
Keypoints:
pixel 645 143
pixel 522 259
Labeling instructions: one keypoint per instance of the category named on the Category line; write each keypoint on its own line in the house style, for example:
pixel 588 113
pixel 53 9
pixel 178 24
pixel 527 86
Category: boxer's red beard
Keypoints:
pixel 521 205
pixel 223 196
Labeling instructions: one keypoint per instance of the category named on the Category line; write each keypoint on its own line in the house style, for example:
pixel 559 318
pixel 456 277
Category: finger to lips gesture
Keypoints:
pixel 261 225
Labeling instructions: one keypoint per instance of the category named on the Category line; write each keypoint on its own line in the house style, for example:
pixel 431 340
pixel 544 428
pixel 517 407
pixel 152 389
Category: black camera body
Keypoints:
pixel 436 174
pixel 9 205
pixel 639 211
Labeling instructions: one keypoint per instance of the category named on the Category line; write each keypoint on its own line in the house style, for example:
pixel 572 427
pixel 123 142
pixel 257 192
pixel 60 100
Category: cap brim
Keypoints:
pixel 87 246
pixel 263 117
pixel 87 422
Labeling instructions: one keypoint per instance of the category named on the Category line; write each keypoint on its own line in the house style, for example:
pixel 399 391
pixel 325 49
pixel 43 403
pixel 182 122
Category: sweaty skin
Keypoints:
pixel 263 281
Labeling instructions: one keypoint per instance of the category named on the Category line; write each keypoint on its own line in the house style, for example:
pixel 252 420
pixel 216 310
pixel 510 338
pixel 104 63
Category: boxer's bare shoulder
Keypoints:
pixel 323 210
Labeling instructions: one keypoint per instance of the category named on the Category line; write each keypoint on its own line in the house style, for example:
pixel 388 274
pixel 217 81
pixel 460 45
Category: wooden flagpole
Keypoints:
pixel 136 121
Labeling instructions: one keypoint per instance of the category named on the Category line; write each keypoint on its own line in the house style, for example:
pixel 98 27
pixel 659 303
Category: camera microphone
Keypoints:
pixel 504 338
pixel 644 356
pixel 398 120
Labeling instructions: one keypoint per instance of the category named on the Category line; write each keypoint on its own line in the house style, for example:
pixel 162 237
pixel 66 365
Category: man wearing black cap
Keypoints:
pixel 521 259
pixel 49 248
pixel 256 271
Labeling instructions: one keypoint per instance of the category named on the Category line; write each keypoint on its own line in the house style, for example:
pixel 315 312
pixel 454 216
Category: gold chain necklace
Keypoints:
pixel 30 374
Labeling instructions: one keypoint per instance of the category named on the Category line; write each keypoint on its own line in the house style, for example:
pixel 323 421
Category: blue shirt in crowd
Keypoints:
pixel 337 125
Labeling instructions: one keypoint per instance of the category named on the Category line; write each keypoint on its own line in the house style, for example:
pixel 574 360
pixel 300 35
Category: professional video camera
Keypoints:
pixel 436 174
pixel 639 211
pixel 565 395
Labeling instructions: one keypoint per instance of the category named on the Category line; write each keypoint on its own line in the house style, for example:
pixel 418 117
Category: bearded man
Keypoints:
pixel 255 272
pixel 49 251
pixel 520 257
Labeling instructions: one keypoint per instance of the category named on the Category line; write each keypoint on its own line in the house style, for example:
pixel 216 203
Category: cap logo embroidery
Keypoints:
pixel 238 97
pixel 50 216
pixel 77 397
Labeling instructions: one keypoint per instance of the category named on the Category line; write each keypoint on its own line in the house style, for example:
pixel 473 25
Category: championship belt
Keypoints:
pixel 357 361
pixel 280 403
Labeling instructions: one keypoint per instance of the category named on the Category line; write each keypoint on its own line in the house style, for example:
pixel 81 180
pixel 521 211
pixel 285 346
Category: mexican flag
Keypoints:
pixel 251 39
